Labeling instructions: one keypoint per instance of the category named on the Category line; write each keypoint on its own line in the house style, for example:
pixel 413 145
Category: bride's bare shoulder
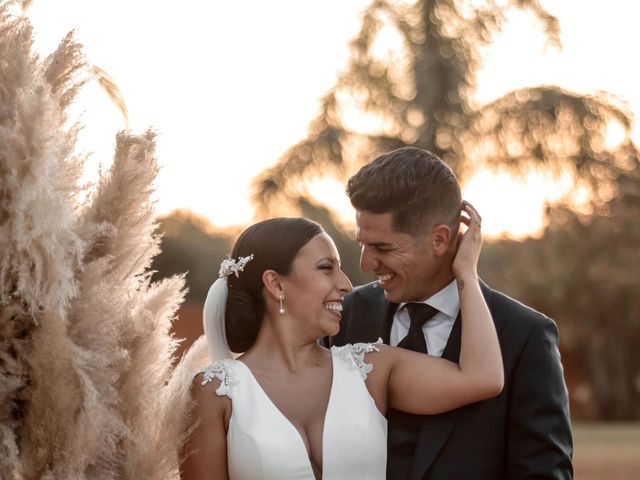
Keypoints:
pixel 211 390
pixel 203 453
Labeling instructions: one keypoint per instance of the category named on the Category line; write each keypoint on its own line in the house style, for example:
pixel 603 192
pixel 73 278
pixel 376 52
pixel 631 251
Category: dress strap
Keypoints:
pixel 355 353
pixel 223 372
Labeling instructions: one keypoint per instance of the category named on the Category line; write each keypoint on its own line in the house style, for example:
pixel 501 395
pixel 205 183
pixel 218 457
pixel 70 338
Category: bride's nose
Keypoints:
pixel 344 284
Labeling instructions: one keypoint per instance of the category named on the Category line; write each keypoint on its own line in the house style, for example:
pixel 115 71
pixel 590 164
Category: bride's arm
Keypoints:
pixel 204 455
pixel 422 384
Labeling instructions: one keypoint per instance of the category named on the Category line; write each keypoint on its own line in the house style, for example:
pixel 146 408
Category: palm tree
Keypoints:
pixel 420 91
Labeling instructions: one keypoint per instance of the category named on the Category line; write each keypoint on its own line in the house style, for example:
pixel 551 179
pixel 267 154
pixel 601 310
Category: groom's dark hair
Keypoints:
pixel 414 185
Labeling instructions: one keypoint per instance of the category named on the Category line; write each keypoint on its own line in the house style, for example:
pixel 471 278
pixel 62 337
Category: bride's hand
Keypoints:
pixel 469 243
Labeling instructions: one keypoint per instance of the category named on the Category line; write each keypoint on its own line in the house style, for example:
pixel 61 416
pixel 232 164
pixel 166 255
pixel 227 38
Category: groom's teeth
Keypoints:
pixel 385 277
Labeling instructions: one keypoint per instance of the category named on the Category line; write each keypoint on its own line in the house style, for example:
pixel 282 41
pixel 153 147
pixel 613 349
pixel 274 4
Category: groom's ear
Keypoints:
pixel 441 238
pixel 271 281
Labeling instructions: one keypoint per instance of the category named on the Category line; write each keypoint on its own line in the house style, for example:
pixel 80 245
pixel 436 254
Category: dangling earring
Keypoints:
pixel 281 311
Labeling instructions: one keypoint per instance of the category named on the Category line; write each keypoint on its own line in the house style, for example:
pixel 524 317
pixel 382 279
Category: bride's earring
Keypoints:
pixel 281 311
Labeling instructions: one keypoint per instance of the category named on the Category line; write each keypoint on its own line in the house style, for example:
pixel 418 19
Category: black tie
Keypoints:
pixel 419 313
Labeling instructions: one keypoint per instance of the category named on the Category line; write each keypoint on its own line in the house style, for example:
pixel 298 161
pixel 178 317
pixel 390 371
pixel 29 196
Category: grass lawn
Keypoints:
pixel 606 451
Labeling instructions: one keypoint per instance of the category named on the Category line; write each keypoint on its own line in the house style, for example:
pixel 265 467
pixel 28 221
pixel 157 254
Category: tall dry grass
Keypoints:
pixel 87 390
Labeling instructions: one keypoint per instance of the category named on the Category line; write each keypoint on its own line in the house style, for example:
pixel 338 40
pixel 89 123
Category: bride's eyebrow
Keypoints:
pixel 331 260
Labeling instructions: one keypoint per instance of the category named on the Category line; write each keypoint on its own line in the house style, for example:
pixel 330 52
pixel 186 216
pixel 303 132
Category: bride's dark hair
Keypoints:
pixel 274 244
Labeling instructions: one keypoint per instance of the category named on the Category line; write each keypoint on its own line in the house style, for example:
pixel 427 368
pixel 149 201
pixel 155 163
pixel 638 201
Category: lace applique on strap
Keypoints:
pixel 220 370
pixel 356 352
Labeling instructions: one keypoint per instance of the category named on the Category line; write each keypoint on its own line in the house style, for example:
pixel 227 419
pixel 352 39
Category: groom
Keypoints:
pixel 407 210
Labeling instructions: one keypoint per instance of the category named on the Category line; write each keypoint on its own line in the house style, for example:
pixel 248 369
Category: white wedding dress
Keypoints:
pixel 263 444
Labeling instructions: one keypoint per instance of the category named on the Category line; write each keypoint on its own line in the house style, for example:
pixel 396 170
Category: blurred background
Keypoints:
pixel 266 108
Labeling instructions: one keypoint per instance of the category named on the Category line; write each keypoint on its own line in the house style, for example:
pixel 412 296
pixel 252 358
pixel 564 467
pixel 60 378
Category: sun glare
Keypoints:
pixel 514 207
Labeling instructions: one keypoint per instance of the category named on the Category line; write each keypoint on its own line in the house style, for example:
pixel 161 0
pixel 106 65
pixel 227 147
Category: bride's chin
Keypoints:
pixel 332 330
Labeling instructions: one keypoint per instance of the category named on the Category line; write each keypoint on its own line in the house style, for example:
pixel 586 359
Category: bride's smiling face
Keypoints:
pixel 314 289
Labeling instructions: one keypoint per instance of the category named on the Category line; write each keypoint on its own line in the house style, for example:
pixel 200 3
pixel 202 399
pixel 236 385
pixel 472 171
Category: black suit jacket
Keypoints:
pixel 523 433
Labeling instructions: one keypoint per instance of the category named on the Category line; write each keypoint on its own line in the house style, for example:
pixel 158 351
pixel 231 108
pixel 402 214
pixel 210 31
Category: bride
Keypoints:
pixel 288 408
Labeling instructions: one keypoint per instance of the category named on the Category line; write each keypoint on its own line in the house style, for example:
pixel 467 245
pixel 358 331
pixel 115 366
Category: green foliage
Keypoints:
pixel 189 244
pixel 583 273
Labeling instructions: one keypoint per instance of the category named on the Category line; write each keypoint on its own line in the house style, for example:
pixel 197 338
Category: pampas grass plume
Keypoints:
pixel 87 388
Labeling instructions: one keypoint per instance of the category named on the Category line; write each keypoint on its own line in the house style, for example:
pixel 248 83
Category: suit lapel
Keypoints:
pixel 452 348
pixel 436 428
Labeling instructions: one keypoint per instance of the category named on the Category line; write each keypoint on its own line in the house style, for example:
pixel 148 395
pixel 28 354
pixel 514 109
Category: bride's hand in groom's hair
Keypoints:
pixel 469 242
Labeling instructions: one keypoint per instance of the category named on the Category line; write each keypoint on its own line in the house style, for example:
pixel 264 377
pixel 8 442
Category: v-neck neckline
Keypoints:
pixel 290 423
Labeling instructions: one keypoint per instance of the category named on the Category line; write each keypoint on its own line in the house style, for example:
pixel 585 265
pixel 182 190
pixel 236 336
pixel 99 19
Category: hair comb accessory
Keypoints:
pixel 230 266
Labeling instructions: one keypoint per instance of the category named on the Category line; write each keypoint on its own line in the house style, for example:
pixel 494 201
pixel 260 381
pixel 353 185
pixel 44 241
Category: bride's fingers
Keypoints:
pixel 474 216
pixel 470 209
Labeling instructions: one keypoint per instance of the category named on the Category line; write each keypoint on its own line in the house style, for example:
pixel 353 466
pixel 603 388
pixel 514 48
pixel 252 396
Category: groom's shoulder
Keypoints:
pixel 367 291
pixel 366 288
pixel 515 312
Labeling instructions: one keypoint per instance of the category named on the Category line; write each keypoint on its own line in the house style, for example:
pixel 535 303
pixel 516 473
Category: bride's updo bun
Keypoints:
pixel 274 244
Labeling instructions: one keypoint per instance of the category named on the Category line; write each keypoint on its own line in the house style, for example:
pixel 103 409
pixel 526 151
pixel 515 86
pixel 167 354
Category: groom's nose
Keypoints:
pixel 368 260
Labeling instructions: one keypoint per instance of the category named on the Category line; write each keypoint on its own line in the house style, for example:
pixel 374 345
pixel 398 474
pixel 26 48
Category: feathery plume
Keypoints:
pixel 85 348
pixel 177 403
pixel 111 88
pixel 41 249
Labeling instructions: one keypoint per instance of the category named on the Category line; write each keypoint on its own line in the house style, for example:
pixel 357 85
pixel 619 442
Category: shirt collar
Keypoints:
pixel 446 300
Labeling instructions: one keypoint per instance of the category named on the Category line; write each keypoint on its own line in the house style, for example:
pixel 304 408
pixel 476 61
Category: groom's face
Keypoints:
pixel 406 266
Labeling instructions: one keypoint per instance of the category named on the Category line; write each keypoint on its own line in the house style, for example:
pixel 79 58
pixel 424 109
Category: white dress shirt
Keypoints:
pixel 437 330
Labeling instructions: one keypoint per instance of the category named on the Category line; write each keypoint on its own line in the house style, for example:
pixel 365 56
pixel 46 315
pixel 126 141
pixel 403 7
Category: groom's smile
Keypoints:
pixel 384 277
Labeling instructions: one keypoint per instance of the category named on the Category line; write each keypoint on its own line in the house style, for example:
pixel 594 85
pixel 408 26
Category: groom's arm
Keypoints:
pixel 539 443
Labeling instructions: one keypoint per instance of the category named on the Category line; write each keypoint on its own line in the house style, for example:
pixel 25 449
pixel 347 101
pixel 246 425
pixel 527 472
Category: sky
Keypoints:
pixel 229 86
